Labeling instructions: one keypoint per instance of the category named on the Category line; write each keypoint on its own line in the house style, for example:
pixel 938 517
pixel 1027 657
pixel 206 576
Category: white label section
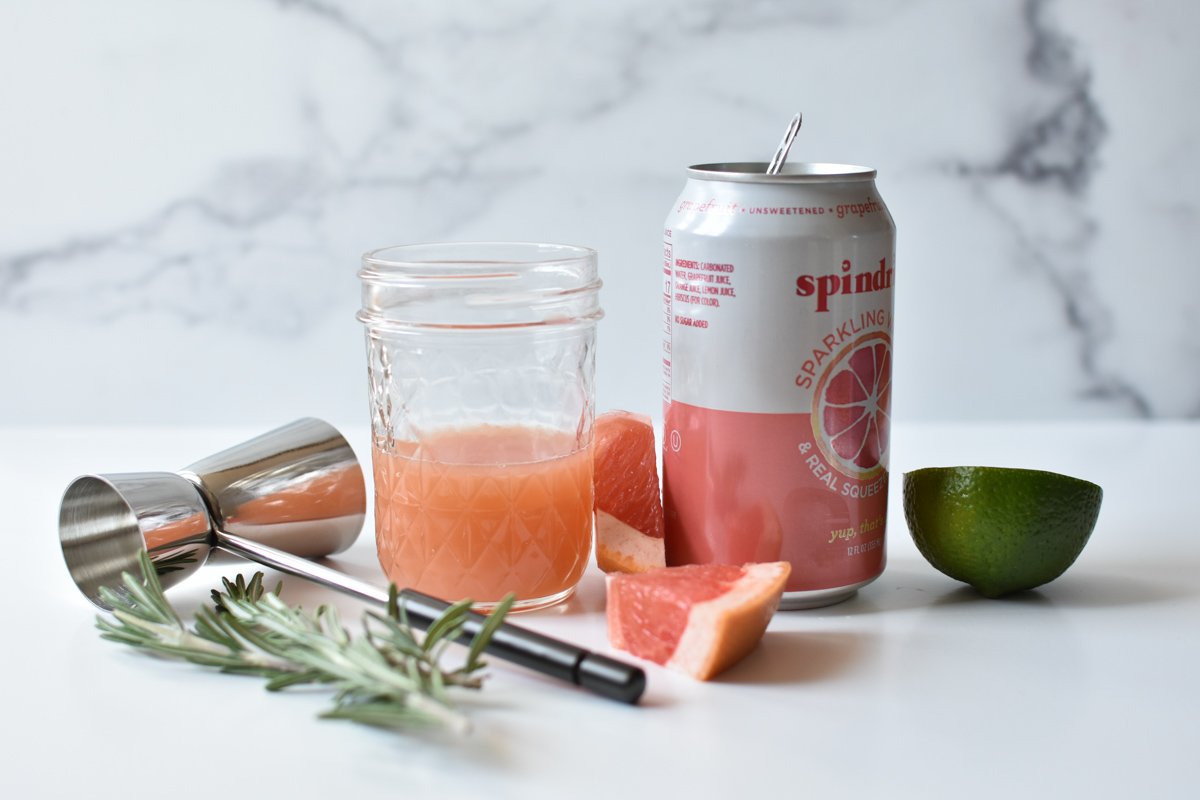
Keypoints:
pixel 668 311
pixel 750 318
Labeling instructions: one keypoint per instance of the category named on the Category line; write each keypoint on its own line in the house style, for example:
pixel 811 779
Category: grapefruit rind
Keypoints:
pixel 722 631
pixel 623 548
pixel 719 632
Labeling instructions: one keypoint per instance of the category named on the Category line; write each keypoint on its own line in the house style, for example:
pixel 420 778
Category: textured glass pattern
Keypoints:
pixel 481 530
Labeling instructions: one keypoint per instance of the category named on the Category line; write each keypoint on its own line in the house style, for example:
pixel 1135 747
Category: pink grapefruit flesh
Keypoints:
pixel 629 516
pixel 699 619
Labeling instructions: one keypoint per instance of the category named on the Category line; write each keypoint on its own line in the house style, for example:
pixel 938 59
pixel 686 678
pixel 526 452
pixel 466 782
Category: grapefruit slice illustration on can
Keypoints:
pixel 851 413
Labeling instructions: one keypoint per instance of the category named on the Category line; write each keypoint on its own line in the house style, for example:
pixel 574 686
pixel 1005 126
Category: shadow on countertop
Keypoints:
pixel 799 657
pixel 911 587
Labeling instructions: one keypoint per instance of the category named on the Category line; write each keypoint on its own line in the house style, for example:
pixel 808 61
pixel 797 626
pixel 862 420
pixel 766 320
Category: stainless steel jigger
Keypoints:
pixel 282 498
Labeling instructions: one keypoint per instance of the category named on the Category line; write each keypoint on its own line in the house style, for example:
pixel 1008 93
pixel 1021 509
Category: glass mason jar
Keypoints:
pixel 481 360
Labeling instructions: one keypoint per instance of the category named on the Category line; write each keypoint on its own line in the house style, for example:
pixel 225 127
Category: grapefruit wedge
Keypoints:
pixel 699 619
pixel 629 515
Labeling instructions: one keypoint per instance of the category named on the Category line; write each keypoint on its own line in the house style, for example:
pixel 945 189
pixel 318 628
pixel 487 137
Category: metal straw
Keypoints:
pixel 786 144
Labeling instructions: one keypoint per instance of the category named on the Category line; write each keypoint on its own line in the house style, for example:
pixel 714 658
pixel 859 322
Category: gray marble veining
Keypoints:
pixel 204 179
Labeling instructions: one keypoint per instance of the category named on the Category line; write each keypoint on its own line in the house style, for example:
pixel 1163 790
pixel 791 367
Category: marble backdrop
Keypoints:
pixel 186 187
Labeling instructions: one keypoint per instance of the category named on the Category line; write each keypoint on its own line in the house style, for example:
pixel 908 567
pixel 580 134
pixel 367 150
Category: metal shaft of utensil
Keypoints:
pixel 566 662
pixel 785 145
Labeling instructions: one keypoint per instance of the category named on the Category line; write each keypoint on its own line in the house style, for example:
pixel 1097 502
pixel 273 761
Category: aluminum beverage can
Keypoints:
pixel 777 364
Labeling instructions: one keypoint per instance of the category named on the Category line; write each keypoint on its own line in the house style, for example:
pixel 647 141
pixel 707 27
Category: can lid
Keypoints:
pixel 756 172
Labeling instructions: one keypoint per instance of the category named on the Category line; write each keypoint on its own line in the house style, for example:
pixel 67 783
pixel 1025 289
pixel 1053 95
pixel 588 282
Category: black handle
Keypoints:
pixel 592 671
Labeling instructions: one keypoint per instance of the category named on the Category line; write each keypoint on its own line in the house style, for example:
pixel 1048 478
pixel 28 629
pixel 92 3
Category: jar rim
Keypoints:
pixel 458 260
pixel 456 286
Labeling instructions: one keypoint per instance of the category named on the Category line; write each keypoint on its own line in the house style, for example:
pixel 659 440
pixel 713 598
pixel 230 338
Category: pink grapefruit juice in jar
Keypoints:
pixel 478 512
pixel 481 359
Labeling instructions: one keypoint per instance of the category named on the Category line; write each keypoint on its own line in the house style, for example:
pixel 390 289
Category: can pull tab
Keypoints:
pixel 788 137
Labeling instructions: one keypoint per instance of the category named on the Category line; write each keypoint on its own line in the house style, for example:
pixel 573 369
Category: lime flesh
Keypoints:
pixel 1000 530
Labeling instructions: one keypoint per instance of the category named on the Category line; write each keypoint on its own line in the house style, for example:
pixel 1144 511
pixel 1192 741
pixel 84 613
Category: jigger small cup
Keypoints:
pixel 287 496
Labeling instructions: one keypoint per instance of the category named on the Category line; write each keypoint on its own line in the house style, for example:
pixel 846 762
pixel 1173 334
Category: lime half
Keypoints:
pixel 1000 530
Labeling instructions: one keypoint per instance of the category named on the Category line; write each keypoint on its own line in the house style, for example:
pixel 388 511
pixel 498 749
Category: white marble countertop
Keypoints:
pixel 916 688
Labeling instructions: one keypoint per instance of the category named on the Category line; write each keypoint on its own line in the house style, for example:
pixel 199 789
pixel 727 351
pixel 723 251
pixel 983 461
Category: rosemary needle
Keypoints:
pixel 388 677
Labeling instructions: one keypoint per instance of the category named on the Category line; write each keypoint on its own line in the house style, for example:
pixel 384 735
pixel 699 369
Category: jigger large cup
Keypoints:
pixel 289 495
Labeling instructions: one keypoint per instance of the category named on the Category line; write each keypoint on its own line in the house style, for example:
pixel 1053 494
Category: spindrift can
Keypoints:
pixel 777 359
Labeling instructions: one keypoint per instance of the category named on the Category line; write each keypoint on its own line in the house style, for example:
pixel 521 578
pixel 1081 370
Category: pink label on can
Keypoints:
pixel 744 488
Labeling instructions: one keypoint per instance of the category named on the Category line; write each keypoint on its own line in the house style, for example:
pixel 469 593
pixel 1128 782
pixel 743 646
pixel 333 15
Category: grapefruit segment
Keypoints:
pixel 699 619
pixel 629 516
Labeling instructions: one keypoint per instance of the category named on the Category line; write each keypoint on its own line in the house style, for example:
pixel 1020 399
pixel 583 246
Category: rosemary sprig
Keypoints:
pixel 389 677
